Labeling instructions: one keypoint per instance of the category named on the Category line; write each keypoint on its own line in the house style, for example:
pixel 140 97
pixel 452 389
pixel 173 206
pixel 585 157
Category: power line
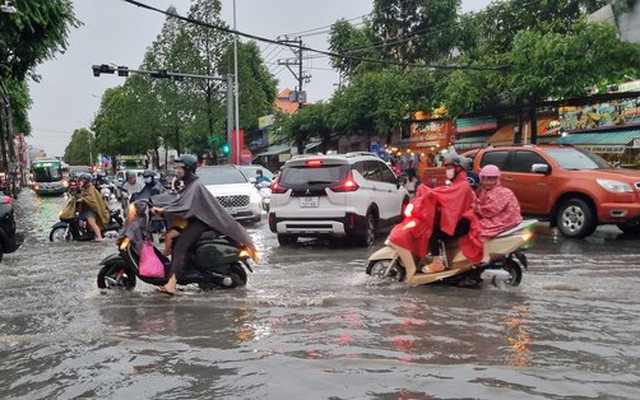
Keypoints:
pixel 310 49
pixel 302 33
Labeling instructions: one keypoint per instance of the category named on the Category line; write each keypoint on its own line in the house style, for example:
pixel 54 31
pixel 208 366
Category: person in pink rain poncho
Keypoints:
pixel 496 206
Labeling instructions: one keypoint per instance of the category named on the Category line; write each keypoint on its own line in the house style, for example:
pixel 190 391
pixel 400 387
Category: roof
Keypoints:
pixel 287 106
pixel 274 150
pixel 601 138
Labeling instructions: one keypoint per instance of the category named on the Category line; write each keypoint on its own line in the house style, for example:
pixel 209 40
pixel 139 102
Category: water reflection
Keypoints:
pixel 518 337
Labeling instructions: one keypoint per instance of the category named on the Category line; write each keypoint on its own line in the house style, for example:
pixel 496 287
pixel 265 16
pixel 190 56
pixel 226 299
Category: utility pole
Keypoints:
pixel 298 74
pixel 236 87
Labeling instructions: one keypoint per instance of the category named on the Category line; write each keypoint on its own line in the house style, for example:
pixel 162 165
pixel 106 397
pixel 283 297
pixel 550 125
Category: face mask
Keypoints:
pixel 451 173
pixel 148 180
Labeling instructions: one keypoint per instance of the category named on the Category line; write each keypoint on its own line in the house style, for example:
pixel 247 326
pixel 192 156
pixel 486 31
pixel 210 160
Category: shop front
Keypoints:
pixel 619 146
pixel 428 138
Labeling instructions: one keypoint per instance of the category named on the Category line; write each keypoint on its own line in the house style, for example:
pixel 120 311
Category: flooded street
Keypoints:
pixel 311 325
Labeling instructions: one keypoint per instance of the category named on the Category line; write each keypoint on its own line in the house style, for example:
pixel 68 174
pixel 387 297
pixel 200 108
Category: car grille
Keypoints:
pixel 233 201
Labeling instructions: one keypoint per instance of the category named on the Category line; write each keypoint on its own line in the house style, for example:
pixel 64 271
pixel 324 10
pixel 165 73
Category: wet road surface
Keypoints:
pixel 312 325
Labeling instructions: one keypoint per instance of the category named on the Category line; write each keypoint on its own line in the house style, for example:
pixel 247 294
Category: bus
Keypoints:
pixel 48 177
pixel 124 163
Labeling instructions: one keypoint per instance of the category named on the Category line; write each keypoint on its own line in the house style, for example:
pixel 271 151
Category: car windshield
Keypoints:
pixel 221 176
pixel 47 174
pixel 576 159
pixel 303 175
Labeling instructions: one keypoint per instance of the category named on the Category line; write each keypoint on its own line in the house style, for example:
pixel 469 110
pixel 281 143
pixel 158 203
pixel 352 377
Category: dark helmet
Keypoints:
pixel 454 159
pixel 189 163
pixel 148 174
pixel 131 174
pixel 85 176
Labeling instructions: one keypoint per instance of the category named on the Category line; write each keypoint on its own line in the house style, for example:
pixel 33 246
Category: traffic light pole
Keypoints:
pixel 164 74
pixel 230 114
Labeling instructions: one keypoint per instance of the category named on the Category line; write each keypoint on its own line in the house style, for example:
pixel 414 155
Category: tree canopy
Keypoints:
pixel 77 151
pixel 145 113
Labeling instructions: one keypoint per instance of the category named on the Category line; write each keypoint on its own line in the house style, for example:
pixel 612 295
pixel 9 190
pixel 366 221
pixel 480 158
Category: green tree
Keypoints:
pixel 311 121
pixel 77 151
pixel 31 35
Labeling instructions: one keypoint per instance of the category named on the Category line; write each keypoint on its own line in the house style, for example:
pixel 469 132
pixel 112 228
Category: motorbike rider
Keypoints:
pixel 496 206
pixel 92 207
pixel 132 186
pixel 261 178
pixel 151 187
pixel 443 214
pixel 202 211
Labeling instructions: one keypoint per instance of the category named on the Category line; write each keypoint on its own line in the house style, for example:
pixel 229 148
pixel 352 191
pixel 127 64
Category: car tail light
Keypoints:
pixel 7 200
pixel 348 185
pixel 276 187
pixel 314 163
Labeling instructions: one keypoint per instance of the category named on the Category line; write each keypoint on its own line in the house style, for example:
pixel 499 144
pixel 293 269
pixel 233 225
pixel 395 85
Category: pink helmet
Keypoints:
pixel 490 171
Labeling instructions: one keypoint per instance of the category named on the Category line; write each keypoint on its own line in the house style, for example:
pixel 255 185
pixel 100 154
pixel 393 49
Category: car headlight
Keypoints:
pixel 615 186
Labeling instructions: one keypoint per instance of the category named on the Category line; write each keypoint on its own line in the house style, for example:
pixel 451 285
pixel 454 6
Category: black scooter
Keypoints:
pixel 75 229
pixel 212 262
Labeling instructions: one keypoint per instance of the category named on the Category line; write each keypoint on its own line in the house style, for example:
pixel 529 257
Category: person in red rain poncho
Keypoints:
pixel 442 214
pixel 497 207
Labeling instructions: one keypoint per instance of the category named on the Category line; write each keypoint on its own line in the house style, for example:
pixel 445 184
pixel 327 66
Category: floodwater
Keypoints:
pixel 311 325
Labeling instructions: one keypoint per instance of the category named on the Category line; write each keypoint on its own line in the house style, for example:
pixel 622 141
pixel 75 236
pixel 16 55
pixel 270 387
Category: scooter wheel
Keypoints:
pixel 378 268
pixel 515 272
pixel 238 279
pixel 116 275
pixel 60 234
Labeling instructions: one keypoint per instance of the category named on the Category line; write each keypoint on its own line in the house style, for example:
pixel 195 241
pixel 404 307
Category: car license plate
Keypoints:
pixel 232 210
pixel 309 202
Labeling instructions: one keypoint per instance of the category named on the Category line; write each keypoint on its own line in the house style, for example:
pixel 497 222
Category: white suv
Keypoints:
pixel 348 195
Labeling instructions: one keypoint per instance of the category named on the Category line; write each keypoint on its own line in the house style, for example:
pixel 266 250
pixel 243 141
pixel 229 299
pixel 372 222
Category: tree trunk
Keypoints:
pixel 534 124
pixel 178 141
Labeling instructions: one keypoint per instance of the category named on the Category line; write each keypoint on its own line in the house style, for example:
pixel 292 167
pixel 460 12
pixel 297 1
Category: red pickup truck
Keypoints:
pixel 572 188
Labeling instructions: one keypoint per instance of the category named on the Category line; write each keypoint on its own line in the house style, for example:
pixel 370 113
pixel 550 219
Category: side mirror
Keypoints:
pixel 540 169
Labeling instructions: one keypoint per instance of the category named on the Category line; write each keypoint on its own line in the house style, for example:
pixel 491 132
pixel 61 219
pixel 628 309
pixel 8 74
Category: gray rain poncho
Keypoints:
pixel 195 201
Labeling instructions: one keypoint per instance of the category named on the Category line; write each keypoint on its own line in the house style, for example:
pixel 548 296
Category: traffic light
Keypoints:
pixel 226 149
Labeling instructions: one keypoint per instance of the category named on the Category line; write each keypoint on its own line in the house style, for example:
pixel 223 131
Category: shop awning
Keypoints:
pixel 471 141
pixel 312 145
pixel 275 150
pixel 475 124
pixel 603 142
pixel 504 135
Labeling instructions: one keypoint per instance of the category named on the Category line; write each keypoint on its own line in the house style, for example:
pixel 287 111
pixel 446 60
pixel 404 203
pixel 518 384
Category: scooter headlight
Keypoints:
pixel 125 243
pixel 247 253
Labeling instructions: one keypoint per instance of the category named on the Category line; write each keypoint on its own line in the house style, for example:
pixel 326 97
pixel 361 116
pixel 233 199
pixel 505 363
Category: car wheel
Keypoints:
pixel 287 240
pixel 369 235
pixel 630 228
pixel 576 219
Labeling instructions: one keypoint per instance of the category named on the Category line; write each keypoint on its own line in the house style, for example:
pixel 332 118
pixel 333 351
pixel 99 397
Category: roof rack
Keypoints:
pixel 360 153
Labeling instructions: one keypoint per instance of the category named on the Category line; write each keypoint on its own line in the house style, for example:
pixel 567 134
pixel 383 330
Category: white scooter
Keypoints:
pixel 507 261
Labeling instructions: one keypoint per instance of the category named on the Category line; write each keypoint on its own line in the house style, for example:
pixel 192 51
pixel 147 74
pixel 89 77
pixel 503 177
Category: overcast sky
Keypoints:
pixel 113 31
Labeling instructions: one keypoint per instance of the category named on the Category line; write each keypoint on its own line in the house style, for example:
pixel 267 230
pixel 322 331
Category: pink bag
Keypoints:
pixel 150 264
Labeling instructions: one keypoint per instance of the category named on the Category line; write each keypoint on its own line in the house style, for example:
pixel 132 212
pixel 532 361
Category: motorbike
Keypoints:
pixel 507 261
pixel 264 188
pixel 107 191
pixel 75 229
pixel 212 262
